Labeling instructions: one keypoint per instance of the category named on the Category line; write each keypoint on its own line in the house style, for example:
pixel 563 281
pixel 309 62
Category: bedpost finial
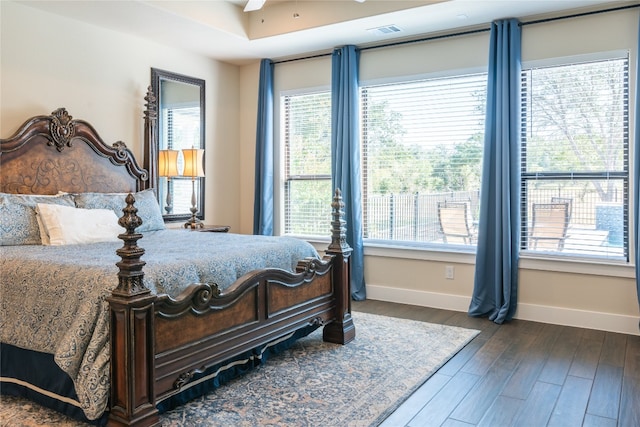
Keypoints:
pixel 150 112
pixel 338 229
pixel 130 220
pixel 130 274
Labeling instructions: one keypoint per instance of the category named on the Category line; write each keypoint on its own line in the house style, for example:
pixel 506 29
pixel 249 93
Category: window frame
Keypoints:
pixel 286 177
pixel 623 175
pixel 409 245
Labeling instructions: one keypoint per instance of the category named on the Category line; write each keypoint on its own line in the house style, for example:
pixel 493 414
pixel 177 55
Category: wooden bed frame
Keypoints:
pixel 157 343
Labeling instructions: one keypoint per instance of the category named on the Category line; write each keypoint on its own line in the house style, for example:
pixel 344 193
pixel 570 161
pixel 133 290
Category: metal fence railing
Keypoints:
pixel 411 216
pixel 414 216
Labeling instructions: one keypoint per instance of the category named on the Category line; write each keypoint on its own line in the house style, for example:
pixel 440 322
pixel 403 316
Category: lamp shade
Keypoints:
pixel 168 163
pixel 193 162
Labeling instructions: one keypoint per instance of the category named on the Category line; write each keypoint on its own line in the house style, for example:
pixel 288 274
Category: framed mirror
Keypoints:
pixel 179 144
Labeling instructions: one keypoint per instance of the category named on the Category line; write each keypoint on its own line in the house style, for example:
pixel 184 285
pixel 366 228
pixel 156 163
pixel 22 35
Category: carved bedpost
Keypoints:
pixel 132 340
pixel 342 329
pixel 150 148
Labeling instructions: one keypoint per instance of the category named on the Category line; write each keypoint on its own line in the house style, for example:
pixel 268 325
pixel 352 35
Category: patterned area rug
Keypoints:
pixel 311 384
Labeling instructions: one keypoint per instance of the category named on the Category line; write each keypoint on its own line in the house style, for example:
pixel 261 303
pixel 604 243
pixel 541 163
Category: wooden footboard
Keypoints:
pixel 158 344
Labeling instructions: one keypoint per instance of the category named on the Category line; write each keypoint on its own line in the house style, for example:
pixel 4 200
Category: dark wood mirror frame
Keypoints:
pixel 154 143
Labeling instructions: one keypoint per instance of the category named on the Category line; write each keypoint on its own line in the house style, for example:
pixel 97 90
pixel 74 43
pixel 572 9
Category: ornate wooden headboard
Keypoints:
pixel 55 153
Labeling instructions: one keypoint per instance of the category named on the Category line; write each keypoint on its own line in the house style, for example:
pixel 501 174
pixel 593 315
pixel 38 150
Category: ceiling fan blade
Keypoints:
pixel 253 5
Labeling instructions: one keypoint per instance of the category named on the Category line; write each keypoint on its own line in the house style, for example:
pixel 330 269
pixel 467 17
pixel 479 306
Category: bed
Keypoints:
pixel 134 341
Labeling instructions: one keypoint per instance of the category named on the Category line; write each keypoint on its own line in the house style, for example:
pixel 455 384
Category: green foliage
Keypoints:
pixel 576 122
pixel 458 167
pixel 397 167
pixel 309 207
pixel 309 134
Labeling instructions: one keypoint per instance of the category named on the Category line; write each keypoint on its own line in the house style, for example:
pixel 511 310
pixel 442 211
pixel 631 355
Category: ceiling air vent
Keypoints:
pixel 387 29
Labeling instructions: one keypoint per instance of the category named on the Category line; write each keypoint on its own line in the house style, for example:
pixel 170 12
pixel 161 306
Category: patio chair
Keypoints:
pixel 549 226
pixel 567 200
pixel 456 225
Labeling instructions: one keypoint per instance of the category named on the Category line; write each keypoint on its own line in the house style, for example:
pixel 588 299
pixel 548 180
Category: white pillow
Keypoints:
pixel 44 236
pixel 66 225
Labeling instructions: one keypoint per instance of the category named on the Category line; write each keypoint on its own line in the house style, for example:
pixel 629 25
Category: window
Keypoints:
pixel 422 159
pixel 422 149
pixel 307 142
pixel 575 166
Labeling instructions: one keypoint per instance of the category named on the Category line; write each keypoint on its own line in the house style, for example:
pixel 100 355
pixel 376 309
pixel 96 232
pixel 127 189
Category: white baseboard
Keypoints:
pixel 537 313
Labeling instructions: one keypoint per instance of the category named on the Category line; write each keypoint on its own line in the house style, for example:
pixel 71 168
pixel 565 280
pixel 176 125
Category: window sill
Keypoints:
pixel 589 266
pixel 466 255
pixel 445 253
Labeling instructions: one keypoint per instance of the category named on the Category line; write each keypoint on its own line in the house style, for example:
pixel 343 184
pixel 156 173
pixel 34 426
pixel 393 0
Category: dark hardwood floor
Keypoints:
pixel 524 374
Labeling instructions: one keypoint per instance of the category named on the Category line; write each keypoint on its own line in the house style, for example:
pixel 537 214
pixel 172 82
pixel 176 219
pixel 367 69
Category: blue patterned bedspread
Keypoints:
pixel 53 298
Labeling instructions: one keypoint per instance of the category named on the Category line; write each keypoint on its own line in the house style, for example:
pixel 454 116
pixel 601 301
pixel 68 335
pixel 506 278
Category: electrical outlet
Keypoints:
pixel 448 272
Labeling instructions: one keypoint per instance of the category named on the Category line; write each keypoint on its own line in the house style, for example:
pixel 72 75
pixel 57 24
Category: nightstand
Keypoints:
pixel 214 228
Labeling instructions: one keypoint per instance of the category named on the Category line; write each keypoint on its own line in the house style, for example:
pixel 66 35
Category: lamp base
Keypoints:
pixel 193 223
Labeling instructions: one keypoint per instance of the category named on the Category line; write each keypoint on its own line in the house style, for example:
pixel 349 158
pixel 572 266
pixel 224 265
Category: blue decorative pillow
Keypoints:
pixel 18 220
pixel 146 203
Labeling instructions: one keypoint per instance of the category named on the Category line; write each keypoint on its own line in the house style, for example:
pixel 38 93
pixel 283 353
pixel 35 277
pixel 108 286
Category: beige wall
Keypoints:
pixel 572 293
pixel 48 61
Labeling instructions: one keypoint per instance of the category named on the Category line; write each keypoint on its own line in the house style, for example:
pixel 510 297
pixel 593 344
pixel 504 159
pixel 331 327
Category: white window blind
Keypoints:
pixel 575 165
pixel 307 142
pixel 422 153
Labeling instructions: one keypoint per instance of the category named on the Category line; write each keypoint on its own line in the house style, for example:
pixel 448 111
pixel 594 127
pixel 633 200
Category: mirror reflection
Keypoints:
pixel 180 145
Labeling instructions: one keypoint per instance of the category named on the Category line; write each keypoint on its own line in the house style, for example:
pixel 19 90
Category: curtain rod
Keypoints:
pixel 578 15
pixel 464 33
pixel 403 42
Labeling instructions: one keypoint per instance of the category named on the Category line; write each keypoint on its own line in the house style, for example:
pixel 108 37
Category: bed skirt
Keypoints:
pixel 51 387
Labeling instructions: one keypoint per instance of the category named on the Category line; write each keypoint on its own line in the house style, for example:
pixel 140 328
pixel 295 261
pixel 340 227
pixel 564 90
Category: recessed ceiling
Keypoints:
pixel 221 30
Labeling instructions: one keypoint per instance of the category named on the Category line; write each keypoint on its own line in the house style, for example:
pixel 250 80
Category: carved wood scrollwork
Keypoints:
pixel 316 321
pixel 62 129
pixel 186 377
pixel 202 298
pixel 310 267
pixel 198 302
pixel 122 152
